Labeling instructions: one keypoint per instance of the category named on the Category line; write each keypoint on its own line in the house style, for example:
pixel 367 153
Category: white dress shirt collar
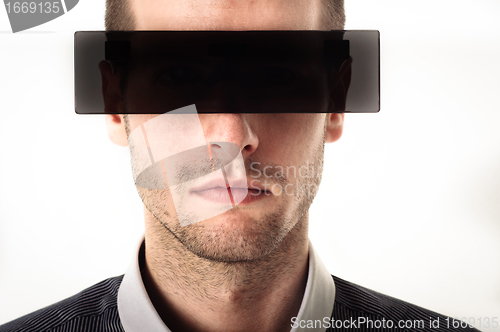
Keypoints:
pixel 137 313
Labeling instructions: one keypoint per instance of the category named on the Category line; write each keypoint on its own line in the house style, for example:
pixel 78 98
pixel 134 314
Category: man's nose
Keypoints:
pixel 236 128
pixel 230 124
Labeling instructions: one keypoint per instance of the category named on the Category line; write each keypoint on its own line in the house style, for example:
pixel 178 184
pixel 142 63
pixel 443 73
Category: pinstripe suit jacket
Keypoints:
pixel 95 309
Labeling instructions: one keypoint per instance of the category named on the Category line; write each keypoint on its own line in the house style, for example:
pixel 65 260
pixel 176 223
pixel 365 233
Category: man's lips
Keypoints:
pixel 250 186
pixel 231 196
pixel 239 192
pixel 253 191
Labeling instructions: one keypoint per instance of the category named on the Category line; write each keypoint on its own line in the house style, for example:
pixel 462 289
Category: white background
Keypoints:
pixel 410 199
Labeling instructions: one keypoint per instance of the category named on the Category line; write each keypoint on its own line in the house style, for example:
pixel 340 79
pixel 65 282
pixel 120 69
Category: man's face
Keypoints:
pixel 282 153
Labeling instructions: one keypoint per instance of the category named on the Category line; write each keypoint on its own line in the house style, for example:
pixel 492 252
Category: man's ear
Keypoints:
pixel 334 127
pixel 340 87
pixel 112 96
pixel 338 97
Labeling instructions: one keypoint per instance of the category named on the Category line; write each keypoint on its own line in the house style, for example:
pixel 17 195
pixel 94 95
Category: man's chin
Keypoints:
pixel 228 252
pixel 232 238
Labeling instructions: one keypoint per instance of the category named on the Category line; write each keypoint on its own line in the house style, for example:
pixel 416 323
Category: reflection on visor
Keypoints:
pixel 247 71
pixel 191 169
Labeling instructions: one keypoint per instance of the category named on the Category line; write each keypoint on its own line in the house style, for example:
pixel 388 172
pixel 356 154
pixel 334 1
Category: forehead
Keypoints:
pixel 226 14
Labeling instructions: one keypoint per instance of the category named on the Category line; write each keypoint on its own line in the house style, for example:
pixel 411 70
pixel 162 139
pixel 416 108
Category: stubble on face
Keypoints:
pixel 240 234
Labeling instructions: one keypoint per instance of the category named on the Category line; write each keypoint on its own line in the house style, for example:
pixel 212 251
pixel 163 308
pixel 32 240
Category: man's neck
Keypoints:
pixel 191 293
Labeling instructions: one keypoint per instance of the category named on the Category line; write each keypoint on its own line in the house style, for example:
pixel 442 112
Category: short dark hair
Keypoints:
pixel 119 15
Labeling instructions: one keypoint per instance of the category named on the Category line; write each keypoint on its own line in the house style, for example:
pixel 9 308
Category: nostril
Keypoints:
pixel 250 148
